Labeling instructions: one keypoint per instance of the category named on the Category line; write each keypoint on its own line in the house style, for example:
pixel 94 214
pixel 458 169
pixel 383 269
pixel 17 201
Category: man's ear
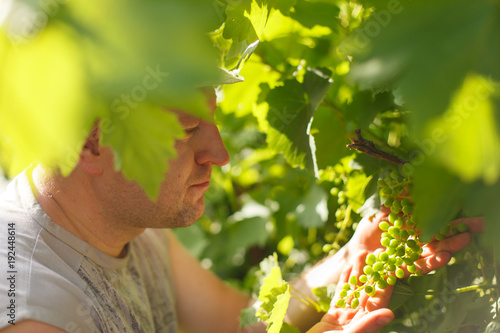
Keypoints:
pixel 90 160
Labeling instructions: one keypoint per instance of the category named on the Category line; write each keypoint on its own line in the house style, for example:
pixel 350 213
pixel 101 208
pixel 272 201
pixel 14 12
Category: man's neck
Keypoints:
pixel 77 209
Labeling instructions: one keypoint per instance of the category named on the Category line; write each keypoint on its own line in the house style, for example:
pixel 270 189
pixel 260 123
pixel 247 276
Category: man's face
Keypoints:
pixel 180 202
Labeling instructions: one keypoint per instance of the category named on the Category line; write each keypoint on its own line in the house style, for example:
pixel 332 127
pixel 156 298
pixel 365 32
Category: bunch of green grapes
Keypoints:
pixel 402 246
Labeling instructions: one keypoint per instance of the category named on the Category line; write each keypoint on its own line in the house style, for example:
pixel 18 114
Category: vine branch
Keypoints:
pixel 367 147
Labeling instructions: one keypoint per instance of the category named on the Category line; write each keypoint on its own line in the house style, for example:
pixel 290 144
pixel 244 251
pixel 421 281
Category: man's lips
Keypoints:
pixel 202 186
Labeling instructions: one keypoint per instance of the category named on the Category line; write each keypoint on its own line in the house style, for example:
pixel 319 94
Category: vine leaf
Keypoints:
pixel 291 109
pixel 152 128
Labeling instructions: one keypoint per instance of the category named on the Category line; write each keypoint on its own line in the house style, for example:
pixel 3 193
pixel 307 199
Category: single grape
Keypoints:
pixel 354 303
pixel 381 183
pixel 399 262
pixel 334 191
pixel 410 223
pixel 411 244
pixel 391 280
pixel 388 202
pixel 398 223
pixel 400 273
pixel 385 241
pixel 411 268
pixel 392 217
pixel 408 261
pixel 407 209
pixel 370 259
pixel 444 230
pixel 382 284
pixel 400 251
pixel 368 270
pixel 346 286
pixel 369 290
pixel 390 251
pixel 396 204
pixel 383 256
pixel 403 234
pixel 378 266
pixel 395 210
pixel 393 243
pixel 363 278
pixel 390 268
pixel 395 175
pixel 414 256
pixel 462 227
pixel 393 231
pixel 341 303
pixel 375 276
pixel 353 280
pixel 384 226
pixel 439 237
pixel 343 293
pixel 406 202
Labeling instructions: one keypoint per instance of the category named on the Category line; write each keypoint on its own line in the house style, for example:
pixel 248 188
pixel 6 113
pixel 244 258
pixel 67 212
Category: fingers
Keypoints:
pixel 433 262
pixel 476 224
pixel 380 300
pixel 355 269
pixel 344 277
pixel 452 245
pixel 371 322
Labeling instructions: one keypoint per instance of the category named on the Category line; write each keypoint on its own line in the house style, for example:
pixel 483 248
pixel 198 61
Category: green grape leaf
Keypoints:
pixel 438 197
pixel 248 317
pixel 271 282
pixel 287 328
pixel 284 6
pixel 365 105
pixel 45 109
pixel 370 207
pixel 356 185
pixel 329 138
pixel 291 108
pixel 400 295
pixel 313 211
pixel 143 140
pixel 312 13
pixel 279 311
pixel 397 49
pixel 245 23
pixel 324 296
pixel 465 139
pixel 83 64
pixel 480 201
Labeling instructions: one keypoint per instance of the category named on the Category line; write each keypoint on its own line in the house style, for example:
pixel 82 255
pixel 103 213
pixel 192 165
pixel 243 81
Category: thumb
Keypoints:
pixel 371 322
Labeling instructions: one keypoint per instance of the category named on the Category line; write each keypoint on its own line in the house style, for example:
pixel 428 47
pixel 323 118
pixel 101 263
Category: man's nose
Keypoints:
pixel 213 150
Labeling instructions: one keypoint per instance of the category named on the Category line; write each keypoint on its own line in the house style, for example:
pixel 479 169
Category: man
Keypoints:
pixel 94 254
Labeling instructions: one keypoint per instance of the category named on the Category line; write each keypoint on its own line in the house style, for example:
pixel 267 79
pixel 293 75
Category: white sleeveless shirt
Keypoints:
pixel 49 275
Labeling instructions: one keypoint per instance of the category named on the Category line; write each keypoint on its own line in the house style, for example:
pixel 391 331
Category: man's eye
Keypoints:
pixel 191 129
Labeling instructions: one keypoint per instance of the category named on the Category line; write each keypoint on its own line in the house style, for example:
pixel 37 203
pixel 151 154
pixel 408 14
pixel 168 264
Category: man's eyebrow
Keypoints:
pixel 188 120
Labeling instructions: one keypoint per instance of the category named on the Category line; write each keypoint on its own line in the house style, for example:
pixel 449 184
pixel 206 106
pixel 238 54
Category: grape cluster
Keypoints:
pixel 402 246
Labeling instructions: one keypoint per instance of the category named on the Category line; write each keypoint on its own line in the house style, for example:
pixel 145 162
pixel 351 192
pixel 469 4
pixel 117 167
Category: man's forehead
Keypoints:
pixel 186 118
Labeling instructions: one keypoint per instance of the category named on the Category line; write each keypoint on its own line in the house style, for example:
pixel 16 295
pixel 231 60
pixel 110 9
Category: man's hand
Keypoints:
pixel 369 317
pixel 436 253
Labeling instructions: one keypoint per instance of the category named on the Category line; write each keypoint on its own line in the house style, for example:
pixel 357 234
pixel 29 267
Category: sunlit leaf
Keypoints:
pixel 465 139
pixel 148 127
